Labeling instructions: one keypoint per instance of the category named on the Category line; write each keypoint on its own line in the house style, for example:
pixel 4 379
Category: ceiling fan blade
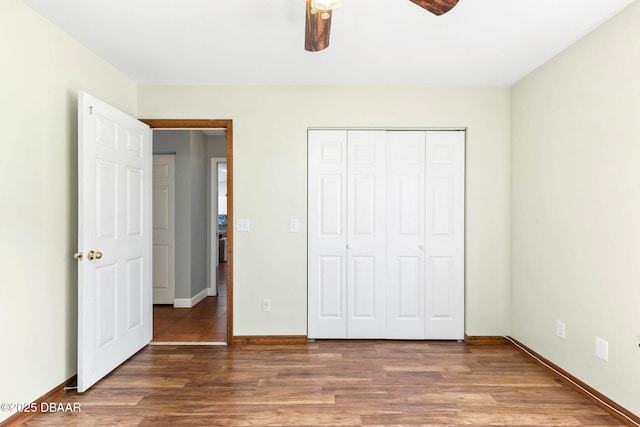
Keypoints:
pixel 317 30
pixel 437 7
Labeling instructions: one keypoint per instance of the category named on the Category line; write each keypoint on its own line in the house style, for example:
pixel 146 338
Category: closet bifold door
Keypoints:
pixel 327 234
pixel 366 233
pixel 386 234
pixel 405 235
pixel 444 266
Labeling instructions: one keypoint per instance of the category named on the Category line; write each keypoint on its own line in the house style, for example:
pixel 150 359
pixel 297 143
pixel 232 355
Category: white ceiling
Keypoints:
pixel 373 42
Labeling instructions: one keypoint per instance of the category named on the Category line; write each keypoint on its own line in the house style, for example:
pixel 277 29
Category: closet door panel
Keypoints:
pixel 366 234
pixel 409 270
pixel 327 234
pixel 445 235
pixel 405 234
pixel 330 304
pixel 362 279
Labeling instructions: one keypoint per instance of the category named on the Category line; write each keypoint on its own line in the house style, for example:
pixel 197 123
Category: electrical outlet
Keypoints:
pixel 602 349
pixel 266 304
pixel 561 329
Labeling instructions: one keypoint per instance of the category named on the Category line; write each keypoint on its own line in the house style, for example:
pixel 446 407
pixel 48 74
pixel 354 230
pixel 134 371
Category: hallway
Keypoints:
pixel 206 322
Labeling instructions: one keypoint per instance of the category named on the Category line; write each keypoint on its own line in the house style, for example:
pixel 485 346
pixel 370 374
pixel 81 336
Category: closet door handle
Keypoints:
pixel 421 247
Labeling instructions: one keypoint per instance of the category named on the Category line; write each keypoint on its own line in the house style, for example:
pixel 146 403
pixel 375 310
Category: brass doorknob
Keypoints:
pixel 77 255
pixel 94 255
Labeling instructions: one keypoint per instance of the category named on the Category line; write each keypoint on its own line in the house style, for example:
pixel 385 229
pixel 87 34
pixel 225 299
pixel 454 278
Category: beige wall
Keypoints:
pixel 41 72
pixel 270 176
pixel 575 208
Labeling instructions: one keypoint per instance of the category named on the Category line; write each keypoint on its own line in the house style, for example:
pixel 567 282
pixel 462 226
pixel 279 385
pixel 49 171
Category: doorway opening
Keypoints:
pixel 219 274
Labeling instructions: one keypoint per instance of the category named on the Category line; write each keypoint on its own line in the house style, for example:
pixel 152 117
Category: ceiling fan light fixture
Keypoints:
pixel 318 23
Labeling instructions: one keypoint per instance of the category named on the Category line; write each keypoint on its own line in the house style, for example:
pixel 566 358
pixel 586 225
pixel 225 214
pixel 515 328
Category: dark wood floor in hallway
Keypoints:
pixel 330 383
pixel 205 322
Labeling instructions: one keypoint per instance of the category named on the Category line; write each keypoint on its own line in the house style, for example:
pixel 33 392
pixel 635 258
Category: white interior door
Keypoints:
pixel 327 228
pixel 164 228
pixel 114 237
pixel 366 207
pixel 445 235
pixel 406 235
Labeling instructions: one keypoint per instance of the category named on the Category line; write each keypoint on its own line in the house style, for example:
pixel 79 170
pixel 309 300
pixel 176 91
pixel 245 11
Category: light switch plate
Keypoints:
pixel 294 225
pixel 242 224
pixel 561 329
pixel 602 349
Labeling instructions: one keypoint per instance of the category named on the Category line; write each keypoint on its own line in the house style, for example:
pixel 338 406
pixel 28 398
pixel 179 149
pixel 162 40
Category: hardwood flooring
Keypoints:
pixel 205 322
pixel 337 383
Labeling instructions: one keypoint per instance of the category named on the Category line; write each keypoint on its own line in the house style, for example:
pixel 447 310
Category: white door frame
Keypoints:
pixel 213 224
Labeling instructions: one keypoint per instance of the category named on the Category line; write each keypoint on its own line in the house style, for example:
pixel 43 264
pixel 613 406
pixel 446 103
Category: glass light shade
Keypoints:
pixel 327 4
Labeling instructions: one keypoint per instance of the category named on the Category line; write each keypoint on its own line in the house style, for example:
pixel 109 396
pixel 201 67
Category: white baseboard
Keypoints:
pixel 212 292
pixel 190 302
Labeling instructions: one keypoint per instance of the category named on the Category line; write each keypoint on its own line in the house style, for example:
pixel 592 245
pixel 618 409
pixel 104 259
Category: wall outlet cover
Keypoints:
pixel 561 329
pixel 602 349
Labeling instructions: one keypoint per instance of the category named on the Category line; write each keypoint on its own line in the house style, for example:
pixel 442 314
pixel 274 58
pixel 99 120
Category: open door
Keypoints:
pixel 114 238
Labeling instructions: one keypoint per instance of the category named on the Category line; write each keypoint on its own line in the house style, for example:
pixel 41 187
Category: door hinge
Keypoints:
pixel 91 110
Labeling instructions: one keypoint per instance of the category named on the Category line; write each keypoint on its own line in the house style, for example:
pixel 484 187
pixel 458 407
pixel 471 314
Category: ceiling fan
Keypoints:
pixel 319 13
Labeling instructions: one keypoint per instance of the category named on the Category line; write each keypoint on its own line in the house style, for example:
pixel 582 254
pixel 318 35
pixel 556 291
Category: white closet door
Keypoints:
pixel 366 225
pixel 445 235
pixel 405 235
pixel 386 234
pixel 327 221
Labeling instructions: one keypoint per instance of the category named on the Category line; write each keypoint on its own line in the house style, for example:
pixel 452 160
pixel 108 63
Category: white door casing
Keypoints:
pixel 114 219
pixel 164 229
pixel 327 256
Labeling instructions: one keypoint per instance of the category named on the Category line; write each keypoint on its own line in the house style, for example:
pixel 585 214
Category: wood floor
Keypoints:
pixel 337 383
pixel 205 322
